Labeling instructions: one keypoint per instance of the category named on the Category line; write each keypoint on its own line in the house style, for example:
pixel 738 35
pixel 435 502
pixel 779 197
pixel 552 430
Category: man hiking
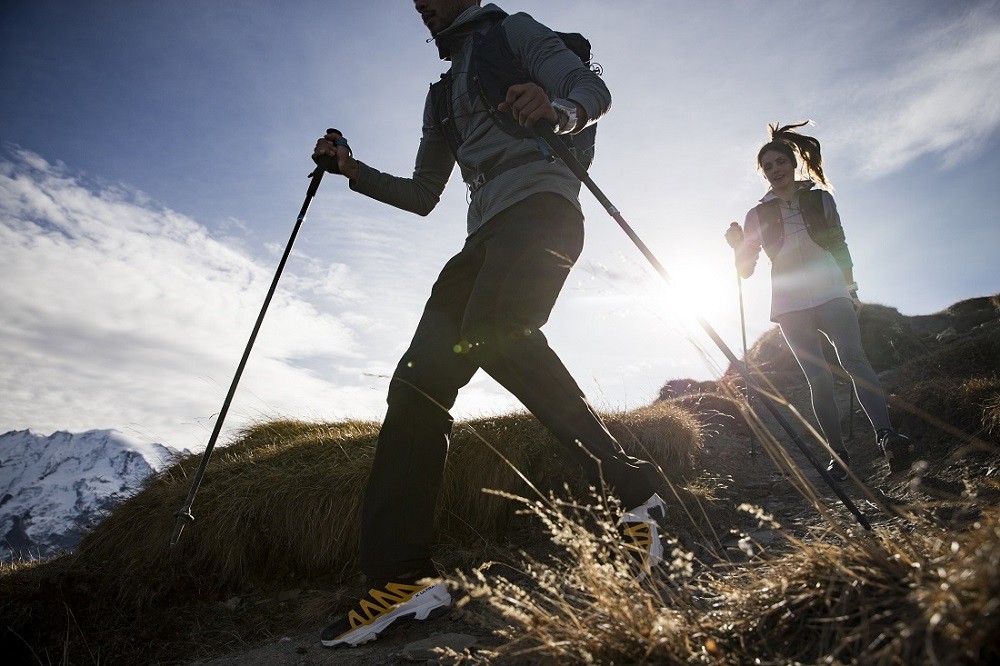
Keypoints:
pixel 486 309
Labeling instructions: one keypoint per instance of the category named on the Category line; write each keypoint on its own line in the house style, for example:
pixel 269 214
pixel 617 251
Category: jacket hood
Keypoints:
pixel 451 38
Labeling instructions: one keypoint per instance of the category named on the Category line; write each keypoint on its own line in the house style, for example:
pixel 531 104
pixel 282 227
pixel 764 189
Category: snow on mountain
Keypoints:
pixel 53 488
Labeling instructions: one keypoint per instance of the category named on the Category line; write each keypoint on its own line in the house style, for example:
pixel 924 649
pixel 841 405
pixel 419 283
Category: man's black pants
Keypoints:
pixel 485 310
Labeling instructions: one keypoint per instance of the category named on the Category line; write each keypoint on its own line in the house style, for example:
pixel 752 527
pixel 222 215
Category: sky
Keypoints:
pixel 153 159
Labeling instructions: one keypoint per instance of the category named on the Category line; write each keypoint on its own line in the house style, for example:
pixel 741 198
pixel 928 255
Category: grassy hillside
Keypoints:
pixel 766 563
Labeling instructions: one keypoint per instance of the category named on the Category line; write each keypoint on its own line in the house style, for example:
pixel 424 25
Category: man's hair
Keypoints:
pixel 785 140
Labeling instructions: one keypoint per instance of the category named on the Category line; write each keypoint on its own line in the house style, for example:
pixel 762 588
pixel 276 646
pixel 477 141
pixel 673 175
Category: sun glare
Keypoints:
pixel 699 290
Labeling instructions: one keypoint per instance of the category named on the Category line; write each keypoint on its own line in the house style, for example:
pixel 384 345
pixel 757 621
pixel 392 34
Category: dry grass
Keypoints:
pixel 283 499
pixel 716 412
pixel 906 594
pixel 971 406
pixel 279 509
pixel 586 603
pixel 663 433
pixel 977 355
pixel 949 398
pixel 888 337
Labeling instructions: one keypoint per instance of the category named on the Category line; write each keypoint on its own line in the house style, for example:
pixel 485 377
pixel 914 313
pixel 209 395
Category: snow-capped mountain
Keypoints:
pixel 53 488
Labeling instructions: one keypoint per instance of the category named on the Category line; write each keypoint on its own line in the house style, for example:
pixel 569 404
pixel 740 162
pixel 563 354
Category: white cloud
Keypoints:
pixel 939 96
pixel 117 311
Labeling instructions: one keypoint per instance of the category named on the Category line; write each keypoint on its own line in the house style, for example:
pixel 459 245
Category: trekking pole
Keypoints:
pixel 567 156
pixel 184 516
pixel 743 330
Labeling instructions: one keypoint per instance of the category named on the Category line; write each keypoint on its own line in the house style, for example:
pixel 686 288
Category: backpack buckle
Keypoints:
pixel 477 182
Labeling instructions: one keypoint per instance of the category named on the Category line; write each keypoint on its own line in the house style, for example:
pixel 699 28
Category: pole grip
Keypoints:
pixel 326 163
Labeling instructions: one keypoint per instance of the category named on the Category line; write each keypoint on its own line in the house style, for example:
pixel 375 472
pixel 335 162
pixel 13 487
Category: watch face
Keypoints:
pixel 567 115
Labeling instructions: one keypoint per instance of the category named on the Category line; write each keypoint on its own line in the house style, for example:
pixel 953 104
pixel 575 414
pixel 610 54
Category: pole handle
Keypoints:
pixel 326 163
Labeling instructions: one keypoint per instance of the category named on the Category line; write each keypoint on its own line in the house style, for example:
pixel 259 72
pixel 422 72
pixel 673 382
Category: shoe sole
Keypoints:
pixel 426 604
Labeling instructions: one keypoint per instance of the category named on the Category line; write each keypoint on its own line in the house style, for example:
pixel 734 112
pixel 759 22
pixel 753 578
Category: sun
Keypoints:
pixel 699 289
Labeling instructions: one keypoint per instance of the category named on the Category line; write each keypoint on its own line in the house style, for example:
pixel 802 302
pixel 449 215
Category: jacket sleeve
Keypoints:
pixel 749 251
pixel 553 66
pixel 432 168
pixel 836 241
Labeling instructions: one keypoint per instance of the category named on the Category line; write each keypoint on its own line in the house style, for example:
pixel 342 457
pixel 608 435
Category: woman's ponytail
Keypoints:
pixel 785 139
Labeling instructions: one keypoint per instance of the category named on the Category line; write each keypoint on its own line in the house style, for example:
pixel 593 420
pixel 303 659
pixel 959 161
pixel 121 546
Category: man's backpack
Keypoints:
pixel 493 69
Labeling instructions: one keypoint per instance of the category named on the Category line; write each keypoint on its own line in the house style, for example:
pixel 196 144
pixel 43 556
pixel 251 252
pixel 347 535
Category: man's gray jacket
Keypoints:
pixel 551 65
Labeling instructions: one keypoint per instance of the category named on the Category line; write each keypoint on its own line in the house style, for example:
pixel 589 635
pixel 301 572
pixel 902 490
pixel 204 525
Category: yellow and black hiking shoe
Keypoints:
pixel 641 527
pixel 384 604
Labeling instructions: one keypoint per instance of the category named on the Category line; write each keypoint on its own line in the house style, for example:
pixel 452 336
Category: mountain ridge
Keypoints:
pixel 55 487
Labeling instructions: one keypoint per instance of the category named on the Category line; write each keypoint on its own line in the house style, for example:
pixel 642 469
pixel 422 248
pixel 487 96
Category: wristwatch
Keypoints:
pixel 565 116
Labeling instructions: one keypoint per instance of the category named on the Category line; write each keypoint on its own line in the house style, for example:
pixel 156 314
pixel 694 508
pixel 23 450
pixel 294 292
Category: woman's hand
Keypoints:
pixel 852 289
pixel 734 236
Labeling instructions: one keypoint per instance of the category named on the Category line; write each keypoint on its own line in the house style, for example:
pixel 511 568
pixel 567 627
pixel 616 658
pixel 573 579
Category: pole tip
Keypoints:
pixel 182 518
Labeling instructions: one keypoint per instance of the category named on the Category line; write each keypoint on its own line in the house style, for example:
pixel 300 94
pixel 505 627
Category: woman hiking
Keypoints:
pixel 813 292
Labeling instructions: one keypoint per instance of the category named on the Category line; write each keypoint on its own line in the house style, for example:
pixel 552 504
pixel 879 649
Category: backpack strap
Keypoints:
pixel 772 230
pixel 813 213
pixel 442 100
pixel 493 69
pixel 443 112
pixel 824 230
